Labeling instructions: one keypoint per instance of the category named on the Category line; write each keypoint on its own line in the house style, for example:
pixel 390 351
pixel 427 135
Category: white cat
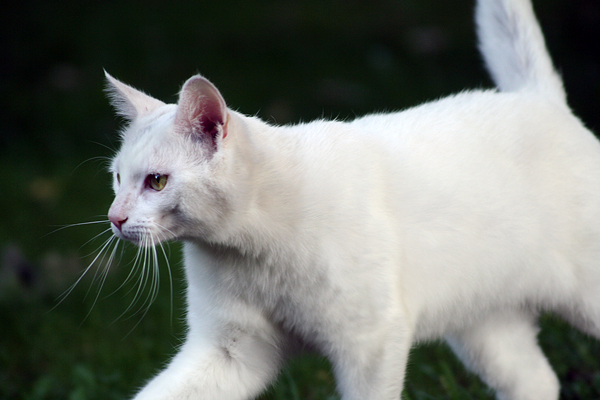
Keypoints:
pixel 461 218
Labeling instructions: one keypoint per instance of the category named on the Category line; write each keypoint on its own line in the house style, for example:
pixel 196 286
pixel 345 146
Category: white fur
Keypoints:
pixel 461 218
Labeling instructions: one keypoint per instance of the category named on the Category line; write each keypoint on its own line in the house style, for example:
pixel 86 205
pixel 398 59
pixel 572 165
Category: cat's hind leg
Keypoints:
pixel 584 312
pixel 503 350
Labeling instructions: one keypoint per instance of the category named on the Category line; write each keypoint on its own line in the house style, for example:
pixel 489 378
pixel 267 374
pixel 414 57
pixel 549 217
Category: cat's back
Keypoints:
pixel 485 144
pixel 494 156
pixel 474 118
pixel 501 154
pixel 461 136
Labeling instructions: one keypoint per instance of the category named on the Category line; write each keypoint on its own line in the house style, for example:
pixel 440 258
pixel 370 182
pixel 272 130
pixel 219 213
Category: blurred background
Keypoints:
pixel 285 61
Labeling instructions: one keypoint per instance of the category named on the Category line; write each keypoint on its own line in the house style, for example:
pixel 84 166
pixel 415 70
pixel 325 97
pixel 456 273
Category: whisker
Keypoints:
pixel 129 275
pixel 156 270
pixel 150 274
pixel 103 158
pixel 60 228
pixel 67 292
pixel 153 272
pixel 103 273
pixel 131 272
pixel 101 261
pixel 142 261
pixel 165 229
pixel 106 147
pixel 109 263
pixel 138 263
pixel 162 248
pixel 164 239
pixel 94 238
pixel 145 270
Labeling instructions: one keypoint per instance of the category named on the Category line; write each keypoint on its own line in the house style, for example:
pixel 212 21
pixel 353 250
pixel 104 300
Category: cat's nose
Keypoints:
pixel 117 221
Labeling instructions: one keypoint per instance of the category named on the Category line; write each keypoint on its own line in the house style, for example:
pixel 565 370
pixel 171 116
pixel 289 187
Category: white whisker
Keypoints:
pixel 60 228
pixel 132 271
pixel 144 274
pixel 143 278
pixel 94 238
pixel 103 272
pixel 162 248
pixel 103 158
pixel 108 264
pixel 67 292
pixel 138 263
pixel 100 258
pixel 148 246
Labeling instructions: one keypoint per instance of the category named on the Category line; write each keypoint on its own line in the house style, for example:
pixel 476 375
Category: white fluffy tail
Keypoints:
pixel 514 50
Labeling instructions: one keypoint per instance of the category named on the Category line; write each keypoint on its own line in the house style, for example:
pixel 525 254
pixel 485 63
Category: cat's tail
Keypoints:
pixel 514 50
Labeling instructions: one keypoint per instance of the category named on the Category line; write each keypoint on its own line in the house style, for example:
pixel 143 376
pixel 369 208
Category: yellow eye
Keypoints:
pixel 157 181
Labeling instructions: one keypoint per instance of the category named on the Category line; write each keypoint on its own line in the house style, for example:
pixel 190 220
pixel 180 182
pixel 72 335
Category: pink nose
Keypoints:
pixel 118 222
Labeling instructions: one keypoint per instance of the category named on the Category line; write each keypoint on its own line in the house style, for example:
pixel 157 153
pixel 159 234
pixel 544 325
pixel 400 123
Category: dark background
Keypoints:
pixel 285 61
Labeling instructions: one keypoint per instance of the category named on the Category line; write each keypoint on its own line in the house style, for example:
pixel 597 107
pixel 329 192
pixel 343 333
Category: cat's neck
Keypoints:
pixel 265 187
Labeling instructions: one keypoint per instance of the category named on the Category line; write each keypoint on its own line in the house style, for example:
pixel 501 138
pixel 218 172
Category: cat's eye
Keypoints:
pixel 118 178
pixel 157 181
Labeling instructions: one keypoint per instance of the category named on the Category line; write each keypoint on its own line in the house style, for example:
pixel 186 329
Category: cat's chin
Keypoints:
pixel 138 238
pixel 140 242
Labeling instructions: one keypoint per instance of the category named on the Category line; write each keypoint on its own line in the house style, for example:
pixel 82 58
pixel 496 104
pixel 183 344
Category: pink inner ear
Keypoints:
pixel 202 110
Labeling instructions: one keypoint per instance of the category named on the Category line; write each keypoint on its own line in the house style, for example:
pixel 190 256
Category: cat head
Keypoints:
pixel 170 175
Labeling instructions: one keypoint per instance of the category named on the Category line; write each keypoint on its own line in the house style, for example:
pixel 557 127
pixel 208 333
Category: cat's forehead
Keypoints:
pixel 146 141
pixel 150 126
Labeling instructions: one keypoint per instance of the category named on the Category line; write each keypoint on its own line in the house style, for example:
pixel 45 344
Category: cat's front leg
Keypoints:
pixel 236 364
pixel 371 365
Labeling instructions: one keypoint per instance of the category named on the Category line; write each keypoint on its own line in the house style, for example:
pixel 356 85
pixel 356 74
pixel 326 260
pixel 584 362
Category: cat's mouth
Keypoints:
pixel 138 236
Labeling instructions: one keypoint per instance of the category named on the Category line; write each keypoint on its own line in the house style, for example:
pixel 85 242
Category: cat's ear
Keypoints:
pixel 201 111
pixel 129 103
